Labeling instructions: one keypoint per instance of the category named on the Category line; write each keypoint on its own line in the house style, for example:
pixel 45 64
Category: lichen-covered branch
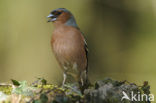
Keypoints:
pixel 103 91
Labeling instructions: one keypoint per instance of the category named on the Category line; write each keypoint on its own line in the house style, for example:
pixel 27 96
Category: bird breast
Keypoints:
pixel 67 43
pixel 68 47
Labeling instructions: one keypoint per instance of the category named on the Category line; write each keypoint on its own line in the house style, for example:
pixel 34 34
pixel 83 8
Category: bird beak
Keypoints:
pixel 52 18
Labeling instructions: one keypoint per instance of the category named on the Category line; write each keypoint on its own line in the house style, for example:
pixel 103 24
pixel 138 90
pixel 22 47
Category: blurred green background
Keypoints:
pixel 121 36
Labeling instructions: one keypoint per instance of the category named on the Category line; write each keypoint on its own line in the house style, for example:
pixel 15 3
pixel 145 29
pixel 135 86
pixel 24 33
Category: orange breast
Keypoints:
pixel 68 46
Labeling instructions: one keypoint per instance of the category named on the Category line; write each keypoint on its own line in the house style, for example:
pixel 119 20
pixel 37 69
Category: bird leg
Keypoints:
pixel 64 78
pixel 83 77
pixel 82 82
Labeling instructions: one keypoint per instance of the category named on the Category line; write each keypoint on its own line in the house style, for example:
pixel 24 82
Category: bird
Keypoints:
pixel 69 47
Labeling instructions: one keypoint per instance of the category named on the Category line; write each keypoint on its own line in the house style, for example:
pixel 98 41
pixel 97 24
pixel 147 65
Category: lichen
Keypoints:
pixel 6 89
pixel 103 91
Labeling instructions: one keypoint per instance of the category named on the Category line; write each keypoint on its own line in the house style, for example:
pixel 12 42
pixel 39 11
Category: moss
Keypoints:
pixel 6 89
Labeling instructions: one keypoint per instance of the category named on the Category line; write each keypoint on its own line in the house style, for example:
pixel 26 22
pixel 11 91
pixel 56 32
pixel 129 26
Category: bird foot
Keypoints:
pixel 73 88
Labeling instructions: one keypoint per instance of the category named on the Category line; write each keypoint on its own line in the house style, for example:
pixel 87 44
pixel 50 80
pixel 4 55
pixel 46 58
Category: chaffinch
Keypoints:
pixel 69 46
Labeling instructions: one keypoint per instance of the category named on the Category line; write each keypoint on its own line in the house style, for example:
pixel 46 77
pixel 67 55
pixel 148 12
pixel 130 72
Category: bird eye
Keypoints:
pixel 58 13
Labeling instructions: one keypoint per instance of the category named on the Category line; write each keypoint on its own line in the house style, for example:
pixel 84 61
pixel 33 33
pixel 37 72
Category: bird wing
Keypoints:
pixel 86 50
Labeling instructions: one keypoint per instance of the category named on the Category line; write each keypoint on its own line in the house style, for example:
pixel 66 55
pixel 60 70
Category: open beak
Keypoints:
pixel 52 18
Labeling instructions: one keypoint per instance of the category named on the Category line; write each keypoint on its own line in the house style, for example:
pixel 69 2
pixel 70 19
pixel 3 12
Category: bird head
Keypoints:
pixel 62 16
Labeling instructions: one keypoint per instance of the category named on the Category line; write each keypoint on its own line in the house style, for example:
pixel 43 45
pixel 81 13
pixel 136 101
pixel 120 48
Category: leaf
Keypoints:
pixel 37 101
pixel 15 82
pixel 44 98
pixel 43 81
pixel 23 89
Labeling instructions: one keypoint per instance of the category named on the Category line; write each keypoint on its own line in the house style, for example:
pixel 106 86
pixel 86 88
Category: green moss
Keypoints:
pixel 6 89
pixel 46 86
pixel 55 88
